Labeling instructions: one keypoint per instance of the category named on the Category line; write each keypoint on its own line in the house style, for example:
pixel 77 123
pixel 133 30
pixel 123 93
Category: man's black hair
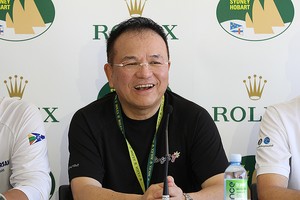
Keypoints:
pixel 133 24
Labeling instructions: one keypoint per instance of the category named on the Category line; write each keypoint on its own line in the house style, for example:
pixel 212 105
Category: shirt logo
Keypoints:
pixel 264 142
pixel 3 164
pixel 35 138
pixel 267 140
pixel 171 158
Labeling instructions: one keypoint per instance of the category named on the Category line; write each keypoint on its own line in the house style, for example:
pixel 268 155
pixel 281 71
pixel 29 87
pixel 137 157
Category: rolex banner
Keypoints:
pixel 232 57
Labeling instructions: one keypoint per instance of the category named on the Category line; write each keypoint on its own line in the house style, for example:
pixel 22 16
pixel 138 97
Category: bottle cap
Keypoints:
pixel 235 158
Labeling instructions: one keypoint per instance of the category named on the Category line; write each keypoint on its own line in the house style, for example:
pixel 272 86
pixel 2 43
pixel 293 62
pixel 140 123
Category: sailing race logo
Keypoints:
pixel 255 20
pixel 25 19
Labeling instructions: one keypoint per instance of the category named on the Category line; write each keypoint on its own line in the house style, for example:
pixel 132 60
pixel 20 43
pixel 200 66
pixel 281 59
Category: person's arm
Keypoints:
pixel 89 188
pixel 274 187
pixel 15 194
pixel 212 189
pixel 273 163
pixel 210 173
pixel 29 161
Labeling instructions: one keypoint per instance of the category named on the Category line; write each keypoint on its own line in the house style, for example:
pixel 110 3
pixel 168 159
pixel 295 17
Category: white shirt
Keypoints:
pixel 278 149
pixel 23 150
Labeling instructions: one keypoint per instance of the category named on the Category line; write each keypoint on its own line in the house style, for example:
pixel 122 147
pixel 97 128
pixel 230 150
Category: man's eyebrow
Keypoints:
pixel 155 56
pixel 129 58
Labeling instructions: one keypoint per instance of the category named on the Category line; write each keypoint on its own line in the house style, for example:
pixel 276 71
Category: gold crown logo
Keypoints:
pixel 255 88
pixel 136 8
pixel 14 89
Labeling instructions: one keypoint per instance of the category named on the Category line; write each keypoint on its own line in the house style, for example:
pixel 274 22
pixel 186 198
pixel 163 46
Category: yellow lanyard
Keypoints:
pixel 133 158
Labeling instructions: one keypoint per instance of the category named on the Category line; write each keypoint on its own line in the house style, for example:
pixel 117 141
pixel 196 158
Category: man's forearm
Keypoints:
pixel 15 194
pixel 92 192
pixel 215 192
pixel 278 193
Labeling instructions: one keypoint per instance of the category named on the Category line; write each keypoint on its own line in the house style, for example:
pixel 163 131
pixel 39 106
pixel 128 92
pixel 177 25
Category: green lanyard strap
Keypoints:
pixel 133 158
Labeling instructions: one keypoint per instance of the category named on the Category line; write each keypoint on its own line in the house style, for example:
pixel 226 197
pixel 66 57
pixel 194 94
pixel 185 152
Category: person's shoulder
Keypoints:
pixel 15 104
pixel 98 104
pixel 184 103
pixel 289 105
pixel 286 109
pixel 18 110
pixel 294 103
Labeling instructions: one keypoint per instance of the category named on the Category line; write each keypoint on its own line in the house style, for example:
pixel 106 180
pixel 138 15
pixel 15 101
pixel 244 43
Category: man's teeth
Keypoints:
pixel 144 86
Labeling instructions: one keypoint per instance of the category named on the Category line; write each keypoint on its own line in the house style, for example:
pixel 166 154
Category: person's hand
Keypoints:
pixel 155 191
pixel 175 192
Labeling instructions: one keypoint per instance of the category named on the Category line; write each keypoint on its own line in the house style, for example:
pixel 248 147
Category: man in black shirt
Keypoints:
pixel 118 143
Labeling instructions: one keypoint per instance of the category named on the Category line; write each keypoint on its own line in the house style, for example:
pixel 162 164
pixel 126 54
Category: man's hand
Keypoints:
pixel 155 191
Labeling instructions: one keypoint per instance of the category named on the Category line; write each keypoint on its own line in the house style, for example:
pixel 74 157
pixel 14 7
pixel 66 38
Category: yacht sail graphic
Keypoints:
pixel 263 19
pixel 24 18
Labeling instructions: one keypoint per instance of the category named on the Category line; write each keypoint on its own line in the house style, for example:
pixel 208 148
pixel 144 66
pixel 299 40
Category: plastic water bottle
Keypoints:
pixel 235 180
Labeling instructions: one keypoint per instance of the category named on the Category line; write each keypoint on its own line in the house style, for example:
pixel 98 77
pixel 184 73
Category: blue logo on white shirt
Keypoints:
pixel 267 140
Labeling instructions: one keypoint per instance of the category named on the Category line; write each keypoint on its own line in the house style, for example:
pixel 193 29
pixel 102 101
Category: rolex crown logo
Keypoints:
pixel 136 7
pixel 255 88
pixel 16 87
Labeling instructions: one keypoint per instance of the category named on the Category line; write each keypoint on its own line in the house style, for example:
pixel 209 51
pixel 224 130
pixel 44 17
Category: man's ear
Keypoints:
pixel 109 73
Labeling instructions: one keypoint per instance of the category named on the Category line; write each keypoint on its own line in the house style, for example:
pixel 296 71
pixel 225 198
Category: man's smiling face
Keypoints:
pixel 139 87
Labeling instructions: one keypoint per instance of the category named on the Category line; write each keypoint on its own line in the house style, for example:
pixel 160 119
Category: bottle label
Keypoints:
pixel 235 189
